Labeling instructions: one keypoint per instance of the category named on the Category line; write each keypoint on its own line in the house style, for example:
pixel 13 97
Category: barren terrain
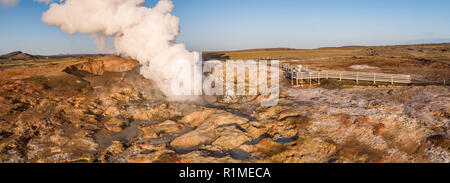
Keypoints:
pixel 426 63
pixel 99 109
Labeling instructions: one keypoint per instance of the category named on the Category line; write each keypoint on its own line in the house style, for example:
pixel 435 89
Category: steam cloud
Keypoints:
pixel 143 33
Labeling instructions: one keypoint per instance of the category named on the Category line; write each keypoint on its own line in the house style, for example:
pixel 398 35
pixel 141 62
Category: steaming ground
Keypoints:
pixel 111 109
pixel 100 109
pixel 142 33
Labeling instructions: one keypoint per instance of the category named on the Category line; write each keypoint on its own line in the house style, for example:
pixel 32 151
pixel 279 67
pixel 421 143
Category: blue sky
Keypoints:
pixel 208 25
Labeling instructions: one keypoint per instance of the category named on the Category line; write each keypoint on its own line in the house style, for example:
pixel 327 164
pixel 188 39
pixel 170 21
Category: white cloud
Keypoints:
pixel 43 1
pixel 11 3
pixel 8 3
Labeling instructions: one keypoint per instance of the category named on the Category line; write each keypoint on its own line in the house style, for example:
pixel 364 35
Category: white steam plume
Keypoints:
pixel 145 34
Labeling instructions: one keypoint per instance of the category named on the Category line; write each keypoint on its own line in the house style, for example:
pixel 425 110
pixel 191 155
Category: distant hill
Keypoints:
pixel 267 49
pixel 419 50
pixel 75 55
pixel 18 55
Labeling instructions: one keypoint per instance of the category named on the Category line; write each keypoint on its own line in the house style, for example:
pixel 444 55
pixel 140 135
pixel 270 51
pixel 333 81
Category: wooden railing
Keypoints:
pixel 298 74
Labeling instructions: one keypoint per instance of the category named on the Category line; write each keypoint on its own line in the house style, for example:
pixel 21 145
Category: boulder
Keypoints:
pixel 204 134
pixel 115 125
pixel 61 148
pixel 209 130
pixel 153 131
pixel 197 118
pixel 168 126
pixel 312 150
pixel 231 140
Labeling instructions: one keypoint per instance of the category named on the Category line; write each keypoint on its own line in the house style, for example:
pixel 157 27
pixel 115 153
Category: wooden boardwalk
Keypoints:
pixel 300 75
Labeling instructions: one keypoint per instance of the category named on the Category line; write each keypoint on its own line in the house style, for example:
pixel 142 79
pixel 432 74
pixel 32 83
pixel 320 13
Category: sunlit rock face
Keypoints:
pixel 101 65
pixel 110 113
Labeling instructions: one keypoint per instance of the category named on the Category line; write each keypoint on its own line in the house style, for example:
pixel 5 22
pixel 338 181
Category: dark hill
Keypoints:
pixel 18 55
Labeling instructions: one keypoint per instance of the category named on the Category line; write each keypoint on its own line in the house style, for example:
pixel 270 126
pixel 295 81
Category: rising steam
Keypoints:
pixel 143 33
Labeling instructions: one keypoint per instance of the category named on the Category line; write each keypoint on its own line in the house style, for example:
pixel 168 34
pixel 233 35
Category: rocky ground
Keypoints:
pixel 102 110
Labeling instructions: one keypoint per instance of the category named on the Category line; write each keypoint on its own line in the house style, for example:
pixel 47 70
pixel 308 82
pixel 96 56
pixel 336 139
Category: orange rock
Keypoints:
pixel 102 65
pixel 115 125
pixel 378 128
pixel 197 118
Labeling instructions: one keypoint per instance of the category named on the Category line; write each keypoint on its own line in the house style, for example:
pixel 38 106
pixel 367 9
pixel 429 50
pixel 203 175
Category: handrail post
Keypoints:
pixel 374 78
pixel 392 79
pixel 292 77
pixel 318 77
pixel 301 77
pixel 357 78
pixel 310 79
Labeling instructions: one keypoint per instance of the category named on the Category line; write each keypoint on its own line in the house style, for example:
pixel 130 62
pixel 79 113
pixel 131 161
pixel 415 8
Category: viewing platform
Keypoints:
pixel 299 75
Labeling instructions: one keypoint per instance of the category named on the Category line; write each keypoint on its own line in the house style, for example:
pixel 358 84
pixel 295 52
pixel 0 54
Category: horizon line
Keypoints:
pixel 240 50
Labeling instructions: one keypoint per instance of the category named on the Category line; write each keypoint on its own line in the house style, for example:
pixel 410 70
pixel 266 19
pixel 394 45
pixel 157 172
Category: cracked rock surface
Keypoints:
pixel 102 112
